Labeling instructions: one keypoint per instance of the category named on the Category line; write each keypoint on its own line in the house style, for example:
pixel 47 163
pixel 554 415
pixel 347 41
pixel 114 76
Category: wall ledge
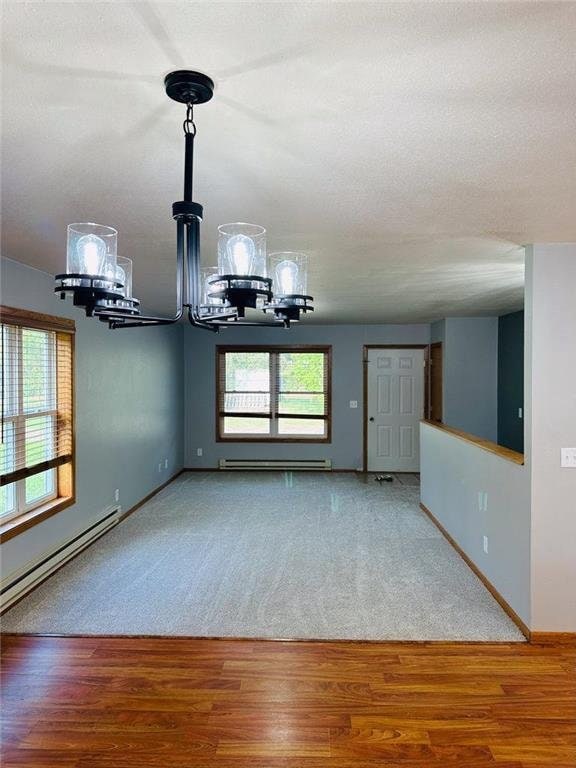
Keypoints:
pixel 485 445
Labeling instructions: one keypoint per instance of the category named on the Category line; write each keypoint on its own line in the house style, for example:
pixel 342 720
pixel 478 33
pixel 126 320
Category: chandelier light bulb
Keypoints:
pixel 241 254
pixel 286 277
pixel 91 251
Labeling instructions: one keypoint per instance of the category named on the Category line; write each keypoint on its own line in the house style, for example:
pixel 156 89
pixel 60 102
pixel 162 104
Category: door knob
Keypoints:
pixel 371 418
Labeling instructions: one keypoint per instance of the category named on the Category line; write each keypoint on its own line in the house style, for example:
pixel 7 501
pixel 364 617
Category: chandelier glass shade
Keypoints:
pixel 289 272
pixel 124 275
pixel 100 281
pixel 242 249
pixel 91 255
pixel 207 288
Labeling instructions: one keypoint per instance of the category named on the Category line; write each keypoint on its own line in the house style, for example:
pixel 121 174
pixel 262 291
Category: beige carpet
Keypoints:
pixel 279 555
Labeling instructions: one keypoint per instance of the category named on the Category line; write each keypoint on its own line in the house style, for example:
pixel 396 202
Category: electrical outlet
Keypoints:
pixel 353 403
pixel 485 544
pixel 568 457
pixel 117 494
pixel 165 463
pixel 199 451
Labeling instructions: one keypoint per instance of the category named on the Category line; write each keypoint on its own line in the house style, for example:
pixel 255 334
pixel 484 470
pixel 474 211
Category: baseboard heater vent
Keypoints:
pixel 16 585
pixel 322 465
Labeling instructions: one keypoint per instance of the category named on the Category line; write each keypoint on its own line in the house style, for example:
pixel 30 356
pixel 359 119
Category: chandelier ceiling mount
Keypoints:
pixel 189 87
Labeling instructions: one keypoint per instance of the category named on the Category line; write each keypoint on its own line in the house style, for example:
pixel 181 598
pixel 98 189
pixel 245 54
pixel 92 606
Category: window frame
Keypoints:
pixel 275 350
pixel 25 516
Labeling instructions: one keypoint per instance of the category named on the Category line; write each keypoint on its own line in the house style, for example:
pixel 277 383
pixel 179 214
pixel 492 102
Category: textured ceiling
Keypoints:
pixel 409 148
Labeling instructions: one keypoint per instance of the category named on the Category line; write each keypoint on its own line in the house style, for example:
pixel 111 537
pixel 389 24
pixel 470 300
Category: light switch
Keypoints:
pixel 353 403
pixel 568 457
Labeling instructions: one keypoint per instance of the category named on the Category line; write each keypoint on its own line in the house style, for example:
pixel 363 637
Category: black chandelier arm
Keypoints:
pixel 140 323
pixel 245 323
pixel 117 320
pixel 195 320
pixel 223 320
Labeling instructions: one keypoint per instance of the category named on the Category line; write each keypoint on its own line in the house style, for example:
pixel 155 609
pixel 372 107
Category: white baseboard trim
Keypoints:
pixel 19 583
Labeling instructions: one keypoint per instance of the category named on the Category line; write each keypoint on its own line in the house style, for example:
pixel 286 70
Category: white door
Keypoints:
pixel 395 407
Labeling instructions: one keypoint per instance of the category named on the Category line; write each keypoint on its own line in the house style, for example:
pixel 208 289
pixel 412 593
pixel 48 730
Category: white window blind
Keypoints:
pixel 36 411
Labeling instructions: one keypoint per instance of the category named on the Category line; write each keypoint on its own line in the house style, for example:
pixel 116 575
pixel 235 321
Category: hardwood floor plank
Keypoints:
pixel 307 717
pixel 276 741
pixel 396 684
pixel 18 758
pixel 551 755
pixel 191 741
pixel 375 737
pixel 501 735
pixel 463 719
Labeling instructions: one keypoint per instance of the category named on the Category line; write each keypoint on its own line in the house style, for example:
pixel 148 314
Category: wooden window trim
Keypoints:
pixel 29 319
pixel 326 350
pixel 29 519
pixel 65 466
pixel 21 474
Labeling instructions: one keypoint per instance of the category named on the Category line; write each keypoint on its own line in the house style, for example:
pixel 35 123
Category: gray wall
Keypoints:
pixel 129 412
pixel 438 331
pixel 347 341
pixel 511 380
pixel 455 475
pixel 470 364
pixel 550 425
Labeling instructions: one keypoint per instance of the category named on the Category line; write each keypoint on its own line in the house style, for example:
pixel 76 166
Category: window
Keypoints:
pixel 36 450
pixel 280 393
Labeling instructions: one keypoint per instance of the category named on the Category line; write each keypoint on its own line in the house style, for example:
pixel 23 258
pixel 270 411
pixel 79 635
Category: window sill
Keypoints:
pixel 30 519
pixel 311 440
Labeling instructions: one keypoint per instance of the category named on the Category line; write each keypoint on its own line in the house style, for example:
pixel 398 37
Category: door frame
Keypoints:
pixel 366 347
pixel 436 344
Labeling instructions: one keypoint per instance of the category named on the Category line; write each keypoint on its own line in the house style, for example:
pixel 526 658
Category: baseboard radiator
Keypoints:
pixel 322 465
pixel 17 584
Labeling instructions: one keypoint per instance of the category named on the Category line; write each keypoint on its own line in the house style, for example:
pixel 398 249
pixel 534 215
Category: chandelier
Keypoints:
pixel 246 278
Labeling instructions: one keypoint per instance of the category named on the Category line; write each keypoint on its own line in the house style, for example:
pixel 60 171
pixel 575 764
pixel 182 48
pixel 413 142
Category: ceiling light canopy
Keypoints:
pixel 100 281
